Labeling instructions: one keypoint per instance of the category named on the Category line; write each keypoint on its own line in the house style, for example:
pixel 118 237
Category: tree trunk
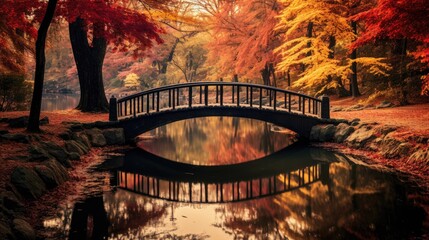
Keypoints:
pixel 273 73
pixel 354 88
pixel 265 73
pixel 89 62
pixel 36 102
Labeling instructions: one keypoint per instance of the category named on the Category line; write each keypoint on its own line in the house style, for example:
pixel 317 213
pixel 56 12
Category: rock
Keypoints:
pixel 336 109
pixel 420 156
pixel 385 104
pixel 23 230
pixel 327 133
pixel 65 135
pixel 6 232
pixel 342 132
pixel 10 201
pixel 19 122
pixel 74 156
pixel 422 139
pixel 114 136
pixel 16 137
pixel 315 133
pixel 44 121
pixel 99 124
pixel 38 154
pixel 82 138
pixel 96 137
pixel 48 176
pixel 356 107
pixel 384 130
pixel 59 171
pixel 357 120
pixel 58 152
pixel 360 137
pixel 393 148
pixel 27 183
pixel 73 147
pixel 76 127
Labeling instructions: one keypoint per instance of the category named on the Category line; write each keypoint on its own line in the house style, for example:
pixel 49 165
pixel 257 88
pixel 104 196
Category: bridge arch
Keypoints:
pixel 149 109
pixel 157 177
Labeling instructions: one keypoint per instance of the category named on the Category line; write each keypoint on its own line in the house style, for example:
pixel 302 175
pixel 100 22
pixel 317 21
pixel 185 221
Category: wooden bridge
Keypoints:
pixel 156 177
pixel 149 109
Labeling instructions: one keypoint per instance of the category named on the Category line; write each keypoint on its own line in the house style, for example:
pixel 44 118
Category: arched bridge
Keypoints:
pixel 280 172
pixel 150 109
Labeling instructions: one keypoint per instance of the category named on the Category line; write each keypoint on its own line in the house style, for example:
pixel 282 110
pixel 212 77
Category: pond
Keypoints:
pixel 232 178
pixel 59 101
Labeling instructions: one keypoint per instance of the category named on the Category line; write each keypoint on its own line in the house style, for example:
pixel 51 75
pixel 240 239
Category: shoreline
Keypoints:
pixel 371 149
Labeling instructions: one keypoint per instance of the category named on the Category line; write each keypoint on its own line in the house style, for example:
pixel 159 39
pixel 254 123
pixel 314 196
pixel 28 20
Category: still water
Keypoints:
pixel 229 178
pixel 58 101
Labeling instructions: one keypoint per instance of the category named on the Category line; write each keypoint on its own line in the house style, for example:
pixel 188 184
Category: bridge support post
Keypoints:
pixel 113 109
pixel 324 110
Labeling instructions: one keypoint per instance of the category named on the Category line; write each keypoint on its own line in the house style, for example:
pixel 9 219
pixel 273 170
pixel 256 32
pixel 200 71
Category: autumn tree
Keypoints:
pixel 36 101
pixel 313 31
pixel 400 21
pixel 92 30
pixel 190 58
pixel 243 37
pixel 132 81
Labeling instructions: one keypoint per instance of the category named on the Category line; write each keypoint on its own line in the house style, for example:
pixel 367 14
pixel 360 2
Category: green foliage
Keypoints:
pixel 14 92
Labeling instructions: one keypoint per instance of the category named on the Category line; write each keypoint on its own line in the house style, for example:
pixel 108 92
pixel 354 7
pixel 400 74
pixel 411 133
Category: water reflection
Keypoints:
pixel 352 202
pixel 216 140
pixel 58 101
pixel 286 170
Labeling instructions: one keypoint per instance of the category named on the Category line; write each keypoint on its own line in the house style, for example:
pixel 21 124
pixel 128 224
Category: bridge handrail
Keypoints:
pixel 197 84
pixel 132 105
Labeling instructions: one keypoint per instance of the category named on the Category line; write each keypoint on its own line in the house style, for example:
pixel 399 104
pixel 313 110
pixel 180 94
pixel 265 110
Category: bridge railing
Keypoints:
pixel 220 192
pixel 200 94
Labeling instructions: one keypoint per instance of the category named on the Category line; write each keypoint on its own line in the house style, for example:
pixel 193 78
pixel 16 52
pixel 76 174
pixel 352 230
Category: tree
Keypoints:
pixel 36 102
pixel 14 92
pixel 313 31
pixel 243 35
pixel 132 81
pixel 104 22
pixel 399 20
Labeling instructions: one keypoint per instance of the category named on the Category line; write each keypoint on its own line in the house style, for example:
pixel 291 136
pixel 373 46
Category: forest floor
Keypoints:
pixel 413 118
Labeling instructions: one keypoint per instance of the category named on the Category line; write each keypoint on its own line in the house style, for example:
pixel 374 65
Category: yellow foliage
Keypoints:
pixel 313 54
pixel 132 81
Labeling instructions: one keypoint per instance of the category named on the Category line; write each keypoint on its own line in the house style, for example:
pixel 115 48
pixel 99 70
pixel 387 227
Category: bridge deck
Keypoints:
pixel 176 102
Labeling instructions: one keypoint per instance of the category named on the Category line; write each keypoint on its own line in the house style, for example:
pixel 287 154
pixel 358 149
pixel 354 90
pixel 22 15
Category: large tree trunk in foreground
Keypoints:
pixel 89 62
pixel 36 102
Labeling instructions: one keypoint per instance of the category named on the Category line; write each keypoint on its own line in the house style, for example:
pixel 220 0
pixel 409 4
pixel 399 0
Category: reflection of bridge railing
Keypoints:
pixel 204 94
pixel 222 192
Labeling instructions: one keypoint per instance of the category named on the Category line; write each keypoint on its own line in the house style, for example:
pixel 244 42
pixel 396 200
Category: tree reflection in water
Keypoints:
pixel 345 201
pixel 206 141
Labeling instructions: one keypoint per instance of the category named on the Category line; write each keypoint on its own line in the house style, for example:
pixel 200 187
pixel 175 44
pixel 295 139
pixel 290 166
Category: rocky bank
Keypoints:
pixel 50 164
pixel 377 138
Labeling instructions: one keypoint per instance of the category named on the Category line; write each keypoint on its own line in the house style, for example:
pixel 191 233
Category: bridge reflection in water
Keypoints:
pixel 179 182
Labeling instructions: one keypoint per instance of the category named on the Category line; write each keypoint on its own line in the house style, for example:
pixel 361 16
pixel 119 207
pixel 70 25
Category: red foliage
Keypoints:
pixel 126 28
pixel 395 19
pixel 123 27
